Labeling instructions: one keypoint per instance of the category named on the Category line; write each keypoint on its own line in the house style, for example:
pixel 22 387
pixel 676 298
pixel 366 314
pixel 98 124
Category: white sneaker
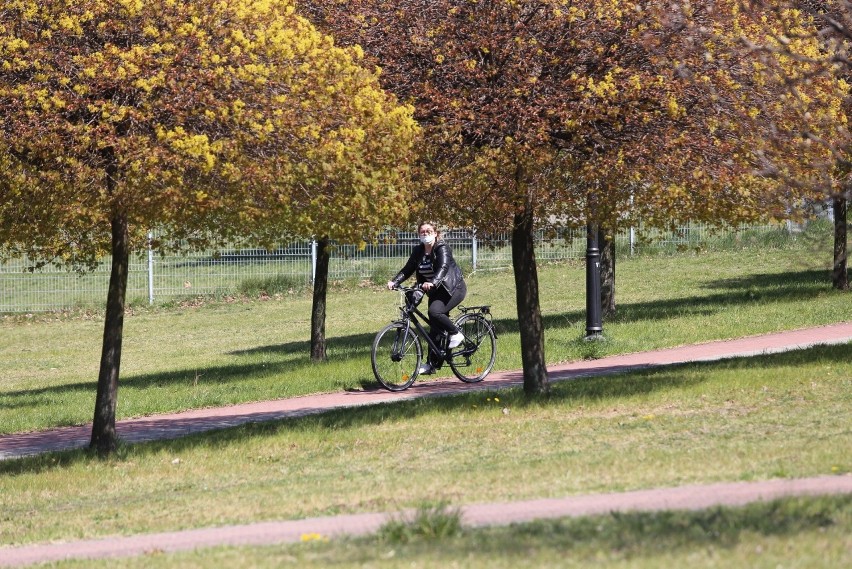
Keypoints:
pixel 426 369
pixel 455 340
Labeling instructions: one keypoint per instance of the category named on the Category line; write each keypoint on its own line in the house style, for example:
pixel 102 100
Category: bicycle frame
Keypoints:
pixel 410 312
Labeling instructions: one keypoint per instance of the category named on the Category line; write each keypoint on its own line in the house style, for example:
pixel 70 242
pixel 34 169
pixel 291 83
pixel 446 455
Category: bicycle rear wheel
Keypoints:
pixel 396 356
pixel 473 359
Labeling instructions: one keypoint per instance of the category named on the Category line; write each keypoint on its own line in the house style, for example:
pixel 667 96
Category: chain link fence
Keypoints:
pixel 155 278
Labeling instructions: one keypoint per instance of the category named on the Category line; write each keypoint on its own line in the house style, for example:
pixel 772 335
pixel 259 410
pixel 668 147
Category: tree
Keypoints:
pixel 799 51
pixel 209 120
pixel 606 240
pixel 832 26
pixel 532 107
pixel 318 306
pixel 353 202
pixel 840 208
pixel 511 97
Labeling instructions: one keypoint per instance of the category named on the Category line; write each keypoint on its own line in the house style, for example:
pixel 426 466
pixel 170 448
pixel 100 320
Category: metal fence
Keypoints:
pixel 155 278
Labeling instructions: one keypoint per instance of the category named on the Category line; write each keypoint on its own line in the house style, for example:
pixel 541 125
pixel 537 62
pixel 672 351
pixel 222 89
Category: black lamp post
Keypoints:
pixel 594 325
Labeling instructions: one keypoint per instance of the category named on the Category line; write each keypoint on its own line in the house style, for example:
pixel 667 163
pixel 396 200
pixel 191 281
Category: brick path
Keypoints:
pixel 180 424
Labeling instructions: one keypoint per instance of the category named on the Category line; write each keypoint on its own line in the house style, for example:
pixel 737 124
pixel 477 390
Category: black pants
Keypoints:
pixel 440 305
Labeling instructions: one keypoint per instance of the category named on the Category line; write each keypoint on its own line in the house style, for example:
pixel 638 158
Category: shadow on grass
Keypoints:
pixel 294 356
pixel 750 290
pixel 639 534
pixel 584 389
pixel 754 289
pixel 796 284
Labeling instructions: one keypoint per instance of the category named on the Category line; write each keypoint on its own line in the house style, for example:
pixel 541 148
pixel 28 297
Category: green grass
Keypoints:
pixel 205 352
pixel 782 415
pixel 798 532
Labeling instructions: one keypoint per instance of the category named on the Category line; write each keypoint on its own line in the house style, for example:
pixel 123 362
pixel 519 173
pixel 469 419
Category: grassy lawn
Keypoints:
pixel 783 415
pixel 204 354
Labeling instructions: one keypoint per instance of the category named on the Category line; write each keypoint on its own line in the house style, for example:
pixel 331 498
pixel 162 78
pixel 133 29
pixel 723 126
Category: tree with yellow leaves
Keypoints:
pixel 211 120
pixel 828 23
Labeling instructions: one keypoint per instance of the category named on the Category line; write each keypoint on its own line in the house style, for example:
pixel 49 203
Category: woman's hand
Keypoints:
pixel 427 286
pixel 391 285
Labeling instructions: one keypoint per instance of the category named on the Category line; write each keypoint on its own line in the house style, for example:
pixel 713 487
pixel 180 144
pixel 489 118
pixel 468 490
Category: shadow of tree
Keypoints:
pixel 759 288
pixel 587 389
pixel 595 388
pixel 790 281
pixel 294 356
pixel 643 534
pixel 750 290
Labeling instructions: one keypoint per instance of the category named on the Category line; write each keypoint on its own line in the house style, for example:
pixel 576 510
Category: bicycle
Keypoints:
pixel 397 351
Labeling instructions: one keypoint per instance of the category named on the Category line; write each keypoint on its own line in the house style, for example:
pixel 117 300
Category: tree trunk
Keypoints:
pixel 318 310
pixel 606 242
pixel 103 429
pixel 529 309
pixel 840 275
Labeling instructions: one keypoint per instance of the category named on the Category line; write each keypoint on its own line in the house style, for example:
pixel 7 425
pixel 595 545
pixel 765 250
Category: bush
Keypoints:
pixel 429 523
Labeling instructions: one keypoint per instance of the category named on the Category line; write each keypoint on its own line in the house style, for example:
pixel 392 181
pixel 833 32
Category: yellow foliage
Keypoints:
pixel 262 119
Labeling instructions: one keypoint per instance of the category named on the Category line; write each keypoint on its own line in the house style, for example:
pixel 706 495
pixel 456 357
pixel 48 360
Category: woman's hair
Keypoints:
pixel 434 226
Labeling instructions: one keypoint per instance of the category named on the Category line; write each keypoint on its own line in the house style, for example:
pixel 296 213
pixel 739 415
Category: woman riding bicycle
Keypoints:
pixel 441 279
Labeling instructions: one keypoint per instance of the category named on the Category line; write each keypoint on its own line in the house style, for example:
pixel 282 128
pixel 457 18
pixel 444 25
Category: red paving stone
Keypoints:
pixel 180 424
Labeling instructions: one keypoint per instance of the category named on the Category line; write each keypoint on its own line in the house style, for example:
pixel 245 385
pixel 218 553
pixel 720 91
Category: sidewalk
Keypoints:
pixel 177 425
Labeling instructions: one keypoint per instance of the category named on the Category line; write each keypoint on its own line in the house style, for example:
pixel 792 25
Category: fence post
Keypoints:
pixel 313 261
pixel 150 268
pixel 473 247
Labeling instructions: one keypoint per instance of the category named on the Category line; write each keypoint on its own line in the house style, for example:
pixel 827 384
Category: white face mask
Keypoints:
pixel 428 239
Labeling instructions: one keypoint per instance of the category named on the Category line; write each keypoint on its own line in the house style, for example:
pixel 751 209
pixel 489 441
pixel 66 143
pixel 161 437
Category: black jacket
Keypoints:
pixel 447 272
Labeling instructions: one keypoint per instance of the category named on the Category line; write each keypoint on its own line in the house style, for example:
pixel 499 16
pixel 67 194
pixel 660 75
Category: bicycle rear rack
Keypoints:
pixel 484 309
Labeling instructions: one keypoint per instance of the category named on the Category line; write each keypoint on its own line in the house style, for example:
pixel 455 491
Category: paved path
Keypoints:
pixel 180 424
pixel 176 425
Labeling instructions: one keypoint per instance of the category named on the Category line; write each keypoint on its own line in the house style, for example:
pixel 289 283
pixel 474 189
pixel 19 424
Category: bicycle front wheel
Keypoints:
pixel 473 359
pixel 396 356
